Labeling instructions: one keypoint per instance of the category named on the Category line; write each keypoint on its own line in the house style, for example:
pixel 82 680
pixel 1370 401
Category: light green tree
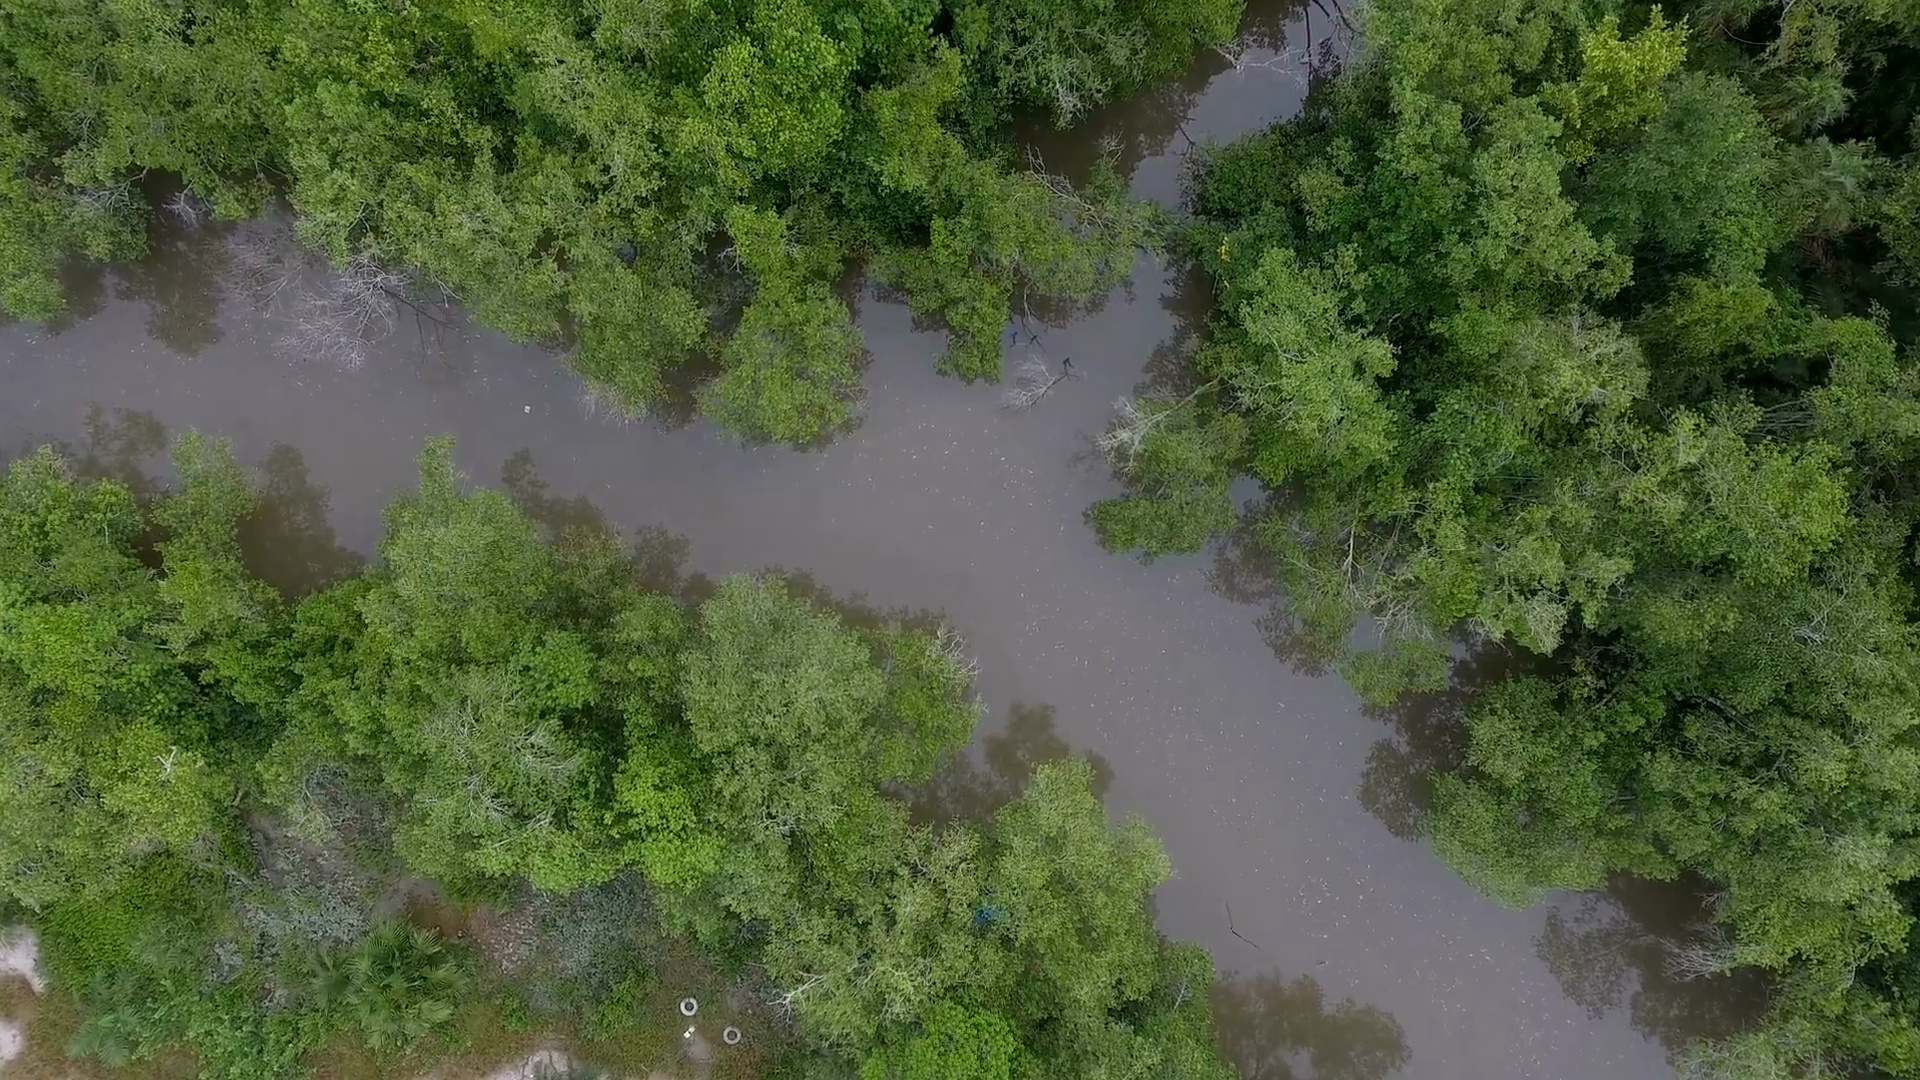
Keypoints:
pixel 114 744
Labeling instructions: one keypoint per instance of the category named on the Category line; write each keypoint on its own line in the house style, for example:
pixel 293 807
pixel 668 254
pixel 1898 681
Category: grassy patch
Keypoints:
pixel 48 1021
pixel 614 1008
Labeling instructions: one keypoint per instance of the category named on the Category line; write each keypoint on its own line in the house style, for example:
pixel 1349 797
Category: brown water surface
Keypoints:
pixel 1259 777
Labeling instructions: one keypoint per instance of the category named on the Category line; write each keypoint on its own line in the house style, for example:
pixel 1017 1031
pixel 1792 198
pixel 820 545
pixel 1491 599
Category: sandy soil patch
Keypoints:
pixel 20 955
pixel 12 1041
pixel 545 1063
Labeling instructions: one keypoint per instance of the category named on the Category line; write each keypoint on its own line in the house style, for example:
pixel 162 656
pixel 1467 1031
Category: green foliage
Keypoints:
pixel 148 960
pixel 772 674
pixel 398 987
pixel 482 674
pixel 41 221
pixel 92 96
pixel 791 366
pixel 566 169
pixel 1308 385
pixel 511 715
pixel 111 727
pixel 1068 57
pixel 1619 83
pixel 794 721
pixel 1178 461
pixel 1026 950
pixel 1701 187
pixel 1539 327
pixel 955 1041
pixel 992 232
pixel 1075 893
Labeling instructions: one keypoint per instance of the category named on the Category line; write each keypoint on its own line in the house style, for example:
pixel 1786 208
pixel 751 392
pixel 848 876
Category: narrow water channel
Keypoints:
pixel 1259 778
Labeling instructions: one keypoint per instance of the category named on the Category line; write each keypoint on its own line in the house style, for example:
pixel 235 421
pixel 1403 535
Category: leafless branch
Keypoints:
pixel 1292 62
pixel 1066 99
pixel 107 198
pixel 1703 958
pixel 1339 12
pixel 787 1000
pixel 1134 421
pixel 186 208
pixel 948 642
pixel 263 263
pixel 343 318
pixel 1237 933
pixel 1031 383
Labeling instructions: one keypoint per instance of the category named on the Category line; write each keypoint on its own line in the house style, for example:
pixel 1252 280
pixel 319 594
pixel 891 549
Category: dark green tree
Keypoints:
pixel 569 170
pixel 1544 327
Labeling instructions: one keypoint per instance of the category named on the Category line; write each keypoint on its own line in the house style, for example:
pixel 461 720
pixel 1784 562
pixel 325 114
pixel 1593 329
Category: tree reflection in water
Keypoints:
pixel 1270 1027
pixel 1640 944
pixel 963 789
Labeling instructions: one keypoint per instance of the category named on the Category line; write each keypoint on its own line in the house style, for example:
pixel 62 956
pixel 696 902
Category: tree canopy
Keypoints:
pixel 1581 331
pixel 208 782
pixel 646 184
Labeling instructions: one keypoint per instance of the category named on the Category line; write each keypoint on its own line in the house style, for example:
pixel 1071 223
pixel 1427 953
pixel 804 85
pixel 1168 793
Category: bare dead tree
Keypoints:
pixel 556 1065
pixel 1130 429
pixel 948 642
pixel 107 198
pixel 1702 958
pixel 1134 420
pixel 1304 61
pixel 787 1000
pixel 350 311
pixel 1292 62
pixel 1033 379
pixel 186 208
pixel 1082 209
pixel 263 264
pixel 332 313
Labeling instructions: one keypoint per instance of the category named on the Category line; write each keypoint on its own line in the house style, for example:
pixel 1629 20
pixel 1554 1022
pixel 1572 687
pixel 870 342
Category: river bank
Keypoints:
pixel 940 500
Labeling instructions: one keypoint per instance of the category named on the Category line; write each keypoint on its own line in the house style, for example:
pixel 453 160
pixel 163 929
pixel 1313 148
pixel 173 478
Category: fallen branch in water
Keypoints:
pixel 1032 382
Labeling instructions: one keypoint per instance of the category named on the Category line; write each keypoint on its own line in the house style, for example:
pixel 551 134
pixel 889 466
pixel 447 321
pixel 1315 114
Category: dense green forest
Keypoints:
pixel 1581 334
pixel 1572 339
pixel 247 827
pixel 656 186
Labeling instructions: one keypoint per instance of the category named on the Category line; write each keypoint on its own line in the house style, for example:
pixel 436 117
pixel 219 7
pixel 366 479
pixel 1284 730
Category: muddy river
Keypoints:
pixel 1357 954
